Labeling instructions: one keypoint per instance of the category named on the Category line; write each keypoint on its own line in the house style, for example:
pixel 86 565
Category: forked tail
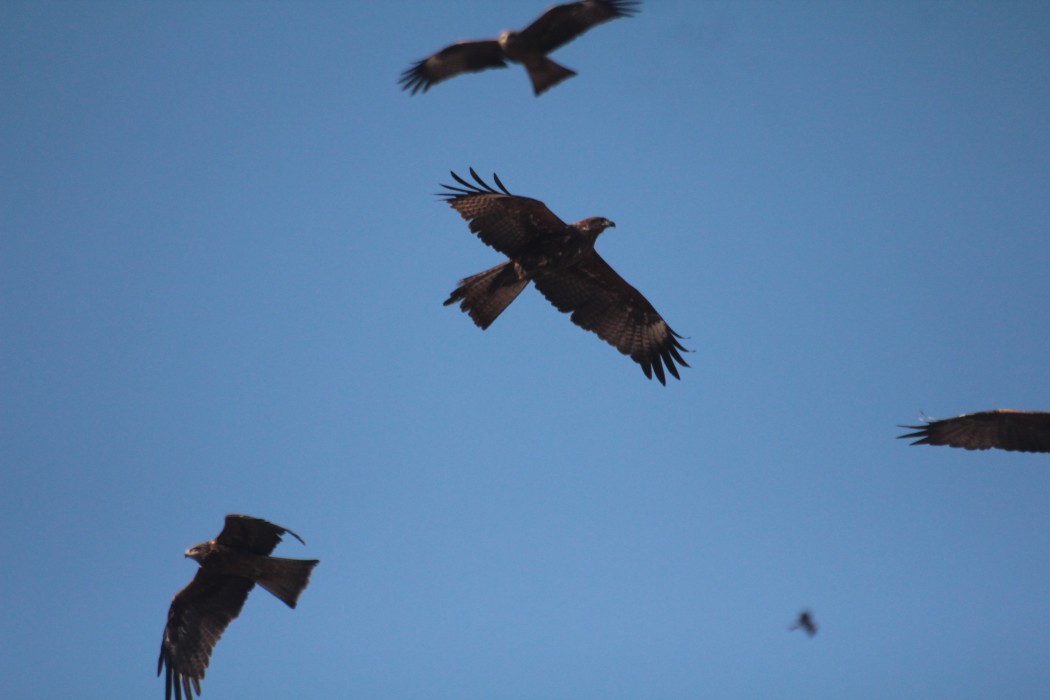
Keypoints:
pixel 286 578
pixel 545 73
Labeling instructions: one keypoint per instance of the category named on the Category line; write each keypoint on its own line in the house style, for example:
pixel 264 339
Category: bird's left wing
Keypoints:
pixel 603 302
pixel 562 23
pixel 253 534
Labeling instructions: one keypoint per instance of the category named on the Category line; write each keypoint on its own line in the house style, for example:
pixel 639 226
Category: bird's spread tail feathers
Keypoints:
pixel 485 295
pixel 286 578
pixel 545 73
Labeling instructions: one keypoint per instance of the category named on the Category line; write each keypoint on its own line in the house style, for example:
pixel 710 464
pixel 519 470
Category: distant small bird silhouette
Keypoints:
pixel 1002 428
pixel 230 566
pixel 553 29
pixel 805 622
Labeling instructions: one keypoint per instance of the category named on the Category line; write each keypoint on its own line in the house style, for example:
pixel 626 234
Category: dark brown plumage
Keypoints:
pixel 560 259
pixel 1003 428
pixel 805 622
pixel 553 29
pixel 230 566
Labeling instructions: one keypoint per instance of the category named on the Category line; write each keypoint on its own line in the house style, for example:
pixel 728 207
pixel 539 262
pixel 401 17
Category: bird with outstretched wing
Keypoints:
pixel 230 566
pixel 561 261
pixel 553 29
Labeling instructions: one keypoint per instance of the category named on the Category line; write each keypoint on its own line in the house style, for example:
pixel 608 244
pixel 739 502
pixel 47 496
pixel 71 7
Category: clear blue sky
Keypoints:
pixel 222 265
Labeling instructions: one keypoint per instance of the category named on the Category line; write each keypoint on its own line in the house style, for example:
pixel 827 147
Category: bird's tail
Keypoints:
pixel 545 73
pixel 485 295
pixel 286 578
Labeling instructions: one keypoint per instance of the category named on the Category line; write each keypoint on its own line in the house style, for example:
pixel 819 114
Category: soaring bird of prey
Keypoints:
pixel 553 29
pixel 560 260
pixel 1002 428
pixel 230 565
pixel 805 622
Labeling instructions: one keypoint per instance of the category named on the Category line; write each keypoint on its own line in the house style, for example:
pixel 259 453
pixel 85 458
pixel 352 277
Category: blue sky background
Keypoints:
pixel 222 265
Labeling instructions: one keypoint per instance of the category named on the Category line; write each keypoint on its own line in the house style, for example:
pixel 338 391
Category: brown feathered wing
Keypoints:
pixel 562 23
pixel 507 222
pixel 603 302
pixel 252 534
pixel 198 615
pixel 461 57
pixel 1004 429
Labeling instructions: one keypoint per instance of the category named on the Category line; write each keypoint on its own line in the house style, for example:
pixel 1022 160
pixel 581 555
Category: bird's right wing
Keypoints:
pixel 562 23
pixel 461 57
pixel 198 615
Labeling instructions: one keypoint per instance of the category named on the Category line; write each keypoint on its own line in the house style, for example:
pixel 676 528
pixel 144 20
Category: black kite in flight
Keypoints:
pixel 1002 428
pixel 553 29
pixel 230 565
pixel 560 259
pixel 805 622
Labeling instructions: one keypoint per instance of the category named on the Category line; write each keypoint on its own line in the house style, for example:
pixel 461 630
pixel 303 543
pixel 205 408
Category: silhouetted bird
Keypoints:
pixel 560 259
pixel 553 29
pixel 230 566
pixel 805 622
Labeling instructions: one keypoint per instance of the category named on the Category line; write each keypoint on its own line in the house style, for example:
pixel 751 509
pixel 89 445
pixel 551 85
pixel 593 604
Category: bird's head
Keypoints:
pixel 505 37
pixel 196 552
pixel 596 224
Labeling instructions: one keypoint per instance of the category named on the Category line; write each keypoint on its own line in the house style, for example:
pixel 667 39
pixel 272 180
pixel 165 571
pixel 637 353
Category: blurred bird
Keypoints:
pixel 805 622
pixel 553 29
